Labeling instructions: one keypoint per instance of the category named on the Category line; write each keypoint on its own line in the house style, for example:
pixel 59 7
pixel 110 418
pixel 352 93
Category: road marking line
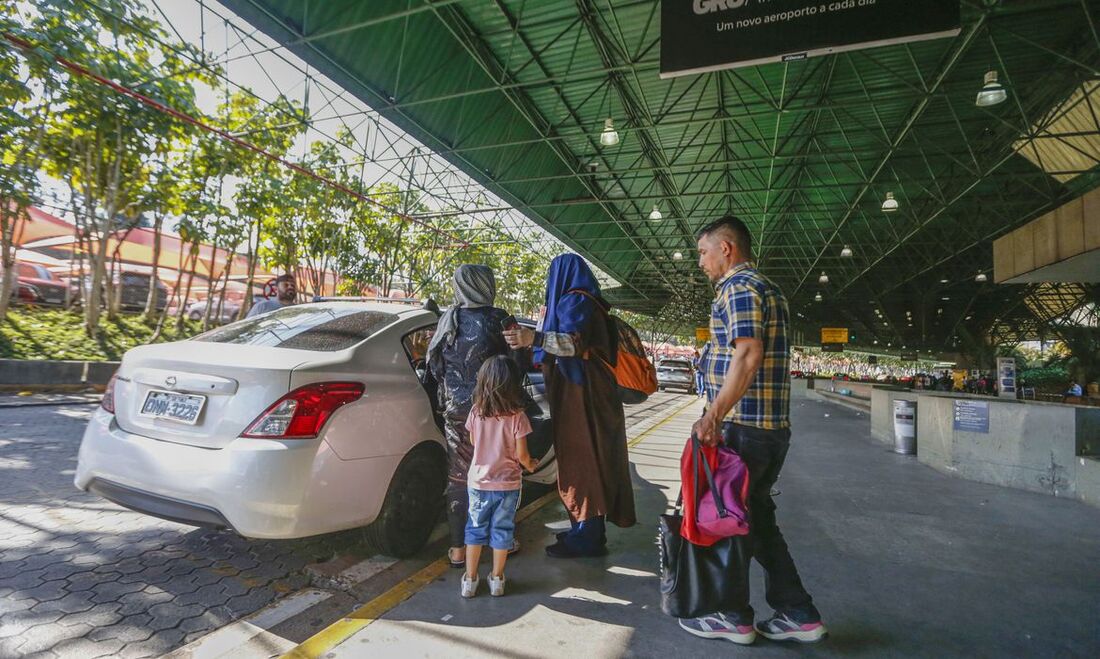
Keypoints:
pixel 231 637
pixel 361 618
pixel 673 414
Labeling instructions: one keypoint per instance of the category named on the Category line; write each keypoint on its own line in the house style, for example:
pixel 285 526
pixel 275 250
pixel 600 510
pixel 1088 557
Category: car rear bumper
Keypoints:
pixel 258 488
pixel 173 510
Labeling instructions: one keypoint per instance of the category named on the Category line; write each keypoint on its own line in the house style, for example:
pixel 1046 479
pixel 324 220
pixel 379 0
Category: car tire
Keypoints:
pixel 413 504
pixel 195 315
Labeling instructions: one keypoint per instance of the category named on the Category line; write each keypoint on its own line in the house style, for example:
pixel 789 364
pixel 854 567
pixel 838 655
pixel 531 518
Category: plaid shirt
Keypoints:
pixel 748 305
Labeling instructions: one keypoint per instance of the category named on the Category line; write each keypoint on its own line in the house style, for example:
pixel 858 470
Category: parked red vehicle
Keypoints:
pixel 35 284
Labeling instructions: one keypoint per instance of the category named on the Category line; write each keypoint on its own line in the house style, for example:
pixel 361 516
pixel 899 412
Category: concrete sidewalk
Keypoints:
pixel 902 561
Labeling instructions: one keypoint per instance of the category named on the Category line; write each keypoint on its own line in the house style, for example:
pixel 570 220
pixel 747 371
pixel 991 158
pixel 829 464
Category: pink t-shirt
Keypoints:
pixel 494 465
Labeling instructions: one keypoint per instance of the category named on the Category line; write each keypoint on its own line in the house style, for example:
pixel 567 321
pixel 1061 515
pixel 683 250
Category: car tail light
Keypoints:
pixel 108 402
pixel 302 413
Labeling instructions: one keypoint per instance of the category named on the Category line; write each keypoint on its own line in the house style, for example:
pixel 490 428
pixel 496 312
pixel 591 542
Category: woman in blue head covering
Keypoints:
pixel 575 342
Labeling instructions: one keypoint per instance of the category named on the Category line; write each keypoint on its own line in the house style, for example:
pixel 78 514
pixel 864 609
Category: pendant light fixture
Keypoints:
pixel 889 205
pixel 609 136
pixel 981 277
pixel 818 298
pixel 655 214
pixel 823 279
pixel 677 256
pixel 846 252
pixel 992 92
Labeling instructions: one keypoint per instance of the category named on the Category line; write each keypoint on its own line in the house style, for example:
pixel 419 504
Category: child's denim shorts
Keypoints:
pixel 492 518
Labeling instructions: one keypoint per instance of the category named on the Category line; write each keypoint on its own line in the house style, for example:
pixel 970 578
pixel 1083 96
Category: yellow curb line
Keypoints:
pixel 638 440
pixel 341 630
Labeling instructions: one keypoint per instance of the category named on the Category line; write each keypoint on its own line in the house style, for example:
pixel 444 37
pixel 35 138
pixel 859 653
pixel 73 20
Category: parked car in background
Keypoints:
pixel 133 290
pixel 307 420
pixel 229 310
pixel 35 284
pixel 675 374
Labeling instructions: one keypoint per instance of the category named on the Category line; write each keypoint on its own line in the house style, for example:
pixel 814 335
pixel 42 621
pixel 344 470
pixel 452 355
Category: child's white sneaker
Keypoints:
pixel 496 585
pixel 469 586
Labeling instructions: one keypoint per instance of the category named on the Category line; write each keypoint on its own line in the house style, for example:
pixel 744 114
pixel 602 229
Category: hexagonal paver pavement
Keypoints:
pixel 82 577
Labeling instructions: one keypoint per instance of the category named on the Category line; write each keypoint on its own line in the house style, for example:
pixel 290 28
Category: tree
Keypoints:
pixel 99 141
pixel 29 84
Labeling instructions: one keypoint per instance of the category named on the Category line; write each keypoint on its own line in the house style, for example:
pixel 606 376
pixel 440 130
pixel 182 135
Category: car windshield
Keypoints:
pixel 320 328
pixel 676 365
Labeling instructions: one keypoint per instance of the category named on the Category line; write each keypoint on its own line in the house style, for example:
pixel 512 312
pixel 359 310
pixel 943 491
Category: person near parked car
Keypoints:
pixel 498 427
pixel 286 294
pixel 747 377
pixel 468 334
pixel 574 343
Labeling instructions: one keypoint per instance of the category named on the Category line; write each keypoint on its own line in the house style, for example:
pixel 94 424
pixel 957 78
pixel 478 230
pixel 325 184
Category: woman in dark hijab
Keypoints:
pixel 574 344
pixel 468 334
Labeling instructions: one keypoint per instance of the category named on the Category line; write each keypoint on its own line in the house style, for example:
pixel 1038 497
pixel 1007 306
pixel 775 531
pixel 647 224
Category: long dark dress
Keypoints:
pixel 590 433
pixel 477 338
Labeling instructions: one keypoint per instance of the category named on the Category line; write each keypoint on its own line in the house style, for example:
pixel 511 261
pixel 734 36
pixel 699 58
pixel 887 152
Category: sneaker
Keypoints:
pixel 717 625
pixel 781 628
pixel 469 586
pixel 496 585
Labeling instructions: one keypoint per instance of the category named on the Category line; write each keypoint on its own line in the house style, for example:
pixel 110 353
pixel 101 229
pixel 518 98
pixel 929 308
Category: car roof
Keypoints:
pixel 402 309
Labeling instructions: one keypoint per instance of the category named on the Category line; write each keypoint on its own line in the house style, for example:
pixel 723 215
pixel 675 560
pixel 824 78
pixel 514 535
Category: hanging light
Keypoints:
pixel 992 92
pixel 655 214
pixel 609 136
pixel 823 279
pixel 846 252
pixel 677 256
pixel 981 277
pixel 889 205
pixel 818 298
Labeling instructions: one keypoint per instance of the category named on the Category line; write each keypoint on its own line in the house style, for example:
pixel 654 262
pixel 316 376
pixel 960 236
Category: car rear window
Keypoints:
pixel 324 329
pixel 676 365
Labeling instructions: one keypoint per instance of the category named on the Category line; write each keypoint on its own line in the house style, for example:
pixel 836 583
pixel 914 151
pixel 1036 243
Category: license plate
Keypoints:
pixel 184 408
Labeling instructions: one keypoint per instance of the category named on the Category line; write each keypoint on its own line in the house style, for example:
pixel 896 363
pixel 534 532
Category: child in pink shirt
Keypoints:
pixel 498 429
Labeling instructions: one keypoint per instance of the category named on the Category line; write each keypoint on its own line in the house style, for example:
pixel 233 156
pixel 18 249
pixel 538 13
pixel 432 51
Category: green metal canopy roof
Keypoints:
pixel 515 93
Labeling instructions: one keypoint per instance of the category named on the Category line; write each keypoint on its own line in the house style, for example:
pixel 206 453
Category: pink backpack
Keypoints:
pixel 721 502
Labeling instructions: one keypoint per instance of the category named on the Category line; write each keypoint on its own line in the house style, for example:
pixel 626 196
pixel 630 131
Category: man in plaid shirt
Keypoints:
pixel 747 378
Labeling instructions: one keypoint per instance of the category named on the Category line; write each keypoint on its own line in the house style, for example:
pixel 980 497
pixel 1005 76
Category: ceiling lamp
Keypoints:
pixel 890 204
pixel 609 136
pixel 677 256
pixel 992 92
pixel 981 277
pixel 846 252
pixel 818 298
pixel 823 279
pixel 655 214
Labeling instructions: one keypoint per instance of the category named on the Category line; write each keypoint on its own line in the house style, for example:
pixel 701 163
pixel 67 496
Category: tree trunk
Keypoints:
pixel 151 300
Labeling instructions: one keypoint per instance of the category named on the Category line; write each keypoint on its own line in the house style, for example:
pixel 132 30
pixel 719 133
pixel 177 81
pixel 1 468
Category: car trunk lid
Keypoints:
pixel 235 383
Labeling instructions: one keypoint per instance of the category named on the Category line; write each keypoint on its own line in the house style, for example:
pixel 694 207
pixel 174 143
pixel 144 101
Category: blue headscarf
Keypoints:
pixel 568 313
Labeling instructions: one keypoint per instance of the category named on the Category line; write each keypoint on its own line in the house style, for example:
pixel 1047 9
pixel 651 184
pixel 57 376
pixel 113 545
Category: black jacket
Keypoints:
pixel 477 338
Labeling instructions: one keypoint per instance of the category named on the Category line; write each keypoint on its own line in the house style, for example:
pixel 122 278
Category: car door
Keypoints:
pixel 540 443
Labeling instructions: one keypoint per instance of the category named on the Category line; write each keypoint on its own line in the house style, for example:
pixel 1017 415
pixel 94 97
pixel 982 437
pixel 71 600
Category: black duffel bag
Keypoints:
pixel 697 580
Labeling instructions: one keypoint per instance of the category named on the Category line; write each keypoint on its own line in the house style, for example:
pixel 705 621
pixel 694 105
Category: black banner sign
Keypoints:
pixel 707 35
pixel 832 347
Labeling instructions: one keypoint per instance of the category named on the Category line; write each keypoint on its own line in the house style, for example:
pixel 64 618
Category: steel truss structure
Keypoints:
pixel 493 110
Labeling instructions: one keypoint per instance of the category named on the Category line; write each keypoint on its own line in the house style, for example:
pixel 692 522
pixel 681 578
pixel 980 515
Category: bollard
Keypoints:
pixel 905 427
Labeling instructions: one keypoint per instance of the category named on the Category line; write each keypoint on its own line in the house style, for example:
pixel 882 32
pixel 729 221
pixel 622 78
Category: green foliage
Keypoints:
pixel 1046 379
pixel 58 334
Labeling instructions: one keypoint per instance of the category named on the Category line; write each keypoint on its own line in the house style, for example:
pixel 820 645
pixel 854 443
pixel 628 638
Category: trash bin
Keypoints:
pixel 905 427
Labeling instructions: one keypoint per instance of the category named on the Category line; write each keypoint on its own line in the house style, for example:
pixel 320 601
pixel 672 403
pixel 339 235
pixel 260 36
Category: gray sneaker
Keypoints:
pixel 469 586
pixel 781 628
pixel 496 585
pixel 717 625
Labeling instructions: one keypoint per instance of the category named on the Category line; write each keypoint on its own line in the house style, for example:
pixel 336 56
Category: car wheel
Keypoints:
pixel 412 506
pixel 195 315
